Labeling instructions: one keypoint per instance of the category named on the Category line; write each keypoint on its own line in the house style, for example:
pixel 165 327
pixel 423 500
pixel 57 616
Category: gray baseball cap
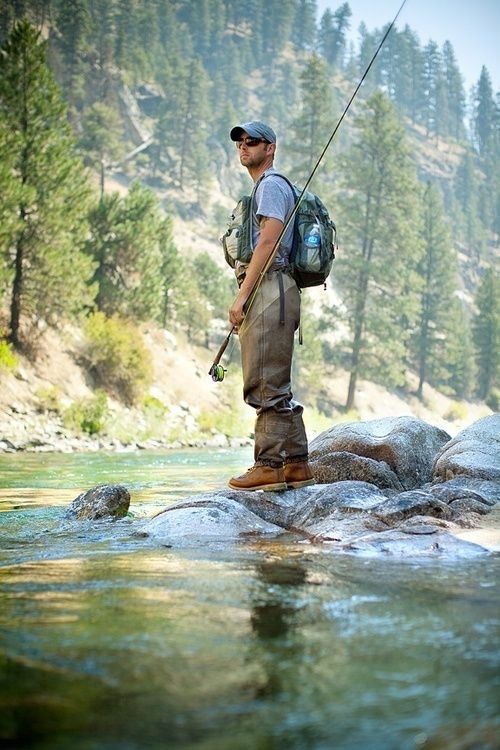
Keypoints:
pixel 255 129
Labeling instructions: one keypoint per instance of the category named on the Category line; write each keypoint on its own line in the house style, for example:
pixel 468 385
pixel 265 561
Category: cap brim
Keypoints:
pixel 236 133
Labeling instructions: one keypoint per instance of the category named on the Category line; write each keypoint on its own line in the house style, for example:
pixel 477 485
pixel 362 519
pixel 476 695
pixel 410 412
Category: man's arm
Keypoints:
pixel 270 229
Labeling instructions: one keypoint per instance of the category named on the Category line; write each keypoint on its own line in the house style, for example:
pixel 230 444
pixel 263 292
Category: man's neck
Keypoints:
pixel 256 172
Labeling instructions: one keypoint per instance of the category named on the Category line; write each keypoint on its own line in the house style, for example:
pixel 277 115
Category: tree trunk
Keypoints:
pixel 17 290
pixel 370 224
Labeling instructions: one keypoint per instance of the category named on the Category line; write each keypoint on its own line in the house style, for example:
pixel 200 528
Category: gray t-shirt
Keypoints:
pixel 274 198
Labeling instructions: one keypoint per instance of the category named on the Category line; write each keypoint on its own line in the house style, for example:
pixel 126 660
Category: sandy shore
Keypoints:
pixel 487 536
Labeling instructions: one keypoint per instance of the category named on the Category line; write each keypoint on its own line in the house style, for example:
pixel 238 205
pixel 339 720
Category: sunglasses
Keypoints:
pixel 250 142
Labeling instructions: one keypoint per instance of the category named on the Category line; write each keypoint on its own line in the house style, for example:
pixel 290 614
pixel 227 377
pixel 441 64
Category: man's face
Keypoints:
pixel 253 151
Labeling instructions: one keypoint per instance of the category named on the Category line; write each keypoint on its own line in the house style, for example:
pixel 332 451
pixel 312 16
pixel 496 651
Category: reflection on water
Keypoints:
pixel 107 642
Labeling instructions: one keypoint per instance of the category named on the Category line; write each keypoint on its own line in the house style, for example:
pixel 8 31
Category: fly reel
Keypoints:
pixel 217 373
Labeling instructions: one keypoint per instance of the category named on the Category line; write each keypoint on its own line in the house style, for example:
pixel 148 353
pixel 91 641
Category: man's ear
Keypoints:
pixel 271 148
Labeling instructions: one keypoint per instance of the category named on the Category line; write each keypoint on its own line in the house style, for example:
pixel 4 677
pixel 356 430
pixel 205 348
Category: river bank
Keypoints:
pixel 27 431
pixel 183 407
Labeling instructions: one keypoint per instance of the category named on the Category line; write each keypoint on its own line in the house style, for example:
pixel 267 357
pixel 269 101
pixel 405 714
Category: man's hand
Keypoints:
pixel 236 313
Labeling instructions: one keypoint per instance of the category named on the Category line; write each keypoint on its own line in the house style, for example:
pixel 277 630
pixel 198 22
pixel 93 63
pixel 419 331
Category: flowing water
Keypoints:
pixel 110 642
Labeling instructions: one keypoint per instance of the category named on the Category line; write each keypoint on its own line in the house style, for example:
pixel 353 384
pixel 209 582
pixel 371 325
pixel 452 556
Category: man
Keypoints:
pixel 266 331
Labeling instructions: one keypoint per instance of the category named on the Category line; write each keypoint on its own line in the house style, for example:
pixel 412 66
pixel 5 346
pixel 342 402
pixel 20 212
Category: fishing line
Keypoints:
pixel 269 261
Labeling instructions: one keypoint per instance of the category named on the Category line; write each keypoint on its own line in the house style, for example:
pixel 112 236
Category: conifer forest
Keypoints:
pixel 143 93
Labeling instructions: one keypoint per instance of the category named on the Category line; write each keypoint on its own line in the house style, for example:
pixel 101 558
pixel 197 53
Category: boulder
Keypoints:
pixel 207 518
pixel 272 507
pixel 398 452
pixel 400 544
pixel 342 465
pixel 103 501
pixel 424 525
pixel 474 452
pixel 412 503
pixel 347 497
pixel 463 487
pixel 336 512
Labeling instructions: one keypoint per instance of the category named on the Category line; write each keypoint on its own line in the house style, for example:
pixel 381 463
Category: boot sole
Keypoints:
pixel 276 487
pixel 298 485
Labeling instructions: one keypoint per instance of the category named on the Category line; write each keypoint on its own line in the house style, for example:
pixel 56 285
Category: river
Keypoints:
pixel 108 642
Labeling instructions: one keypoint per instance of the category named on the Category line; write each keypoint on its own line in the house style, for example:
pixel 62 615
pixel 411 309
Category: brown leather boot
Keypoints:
pixel 298 474
pixel 260 477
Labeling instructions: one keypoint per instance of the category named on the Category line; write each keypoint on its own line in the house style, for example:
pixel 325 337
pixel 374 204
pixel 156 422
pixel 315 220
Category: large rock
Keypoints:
pixel 411 503
pixel 341 466
pixel 103 501
pixel 396 452
pixel 474 452
pixel 463 487
pixel 400 544
pixel 336 512
pixel 207 518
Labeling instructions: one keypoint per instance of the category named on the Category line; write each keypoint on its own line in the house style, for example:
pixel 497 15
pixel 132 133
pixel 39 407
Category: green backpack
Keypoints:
pixel 314 236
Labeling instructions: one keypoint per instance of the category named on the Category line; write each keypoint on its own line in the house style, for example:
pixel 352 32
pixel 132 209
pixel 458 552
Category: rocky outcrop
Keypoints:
pixel 350 515
pixel 103 501
pixel 395 453
pixel 473 453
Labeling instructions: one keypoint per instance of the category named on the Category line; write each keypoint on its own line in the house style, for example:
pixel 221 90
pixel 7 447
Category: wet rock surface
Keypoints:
pixel 103 501
pixel 347 515
pixel 207 518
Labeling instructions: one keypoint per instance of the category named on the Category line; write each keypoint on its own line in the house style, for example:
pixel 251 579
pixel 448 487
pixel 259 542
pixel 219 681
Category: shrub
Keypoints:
pixel 88 414
pixel 457 412
pixel 153 405
pixel 117 356
pixel 8 360
pixel 49 399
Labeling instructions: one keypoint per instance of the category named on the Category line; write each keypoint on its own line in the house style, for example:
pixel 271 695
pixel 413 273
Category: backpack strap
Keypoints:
pixel 293 249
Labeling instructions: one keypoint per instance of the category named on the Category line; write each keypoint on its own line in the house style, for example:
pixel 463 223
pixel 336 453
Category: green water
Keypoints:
pixel 107 641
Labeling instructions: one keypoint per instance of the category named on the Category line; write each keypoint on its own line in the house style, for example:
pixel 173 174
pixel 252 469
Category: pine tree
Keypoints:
pixel 215 286
pixel 486 328
pixel 314 117
pixel 466 190
pixel 49 271
pixel 457 353
pixel 438 271
pixel 171 270
pixel 332 34
pixel 11 193
pixel 72 22
pixel 304 25
pixel 432 92
pixel 125 238
pixel 273 16
pixel 101 138
pixel 183 124
pixel 484 112
pixel 377 270
pixel 455 90
pixel 367 45
pixel 409 73
pixel 102 21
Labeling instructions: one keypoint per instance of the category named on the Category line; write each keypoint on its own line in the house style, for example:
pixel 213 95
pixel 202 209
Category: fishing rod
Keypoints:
pixel 216 371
